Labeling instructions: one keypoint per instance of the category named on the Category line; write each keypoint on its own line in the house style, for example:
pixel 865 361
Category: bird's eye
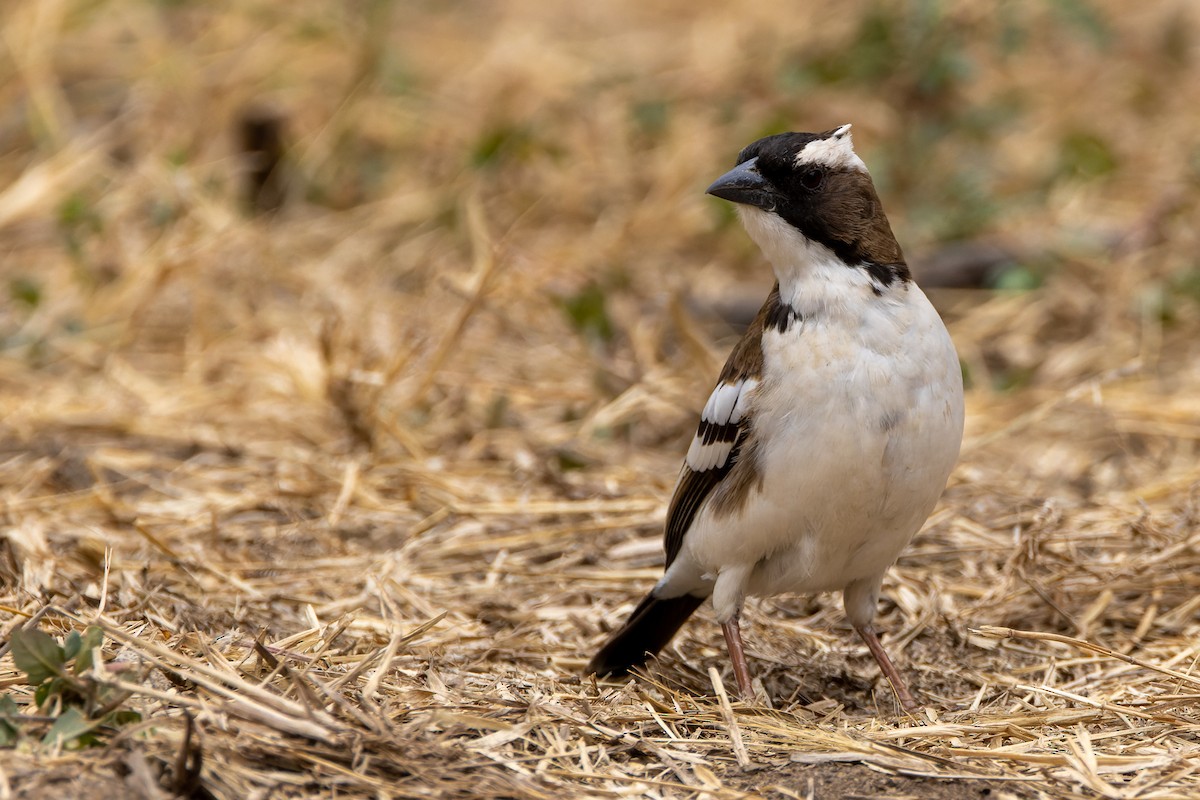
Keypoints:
pixel 812 178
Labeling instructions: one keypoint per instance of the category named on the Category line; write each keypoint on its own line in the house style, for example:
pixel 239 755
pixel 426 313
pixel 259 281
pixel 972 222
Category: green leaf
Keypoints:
pixel 93 637
pixel 1187 283
pixel 69 726
pixel 10 715
pixel 49 688
pixel 651 117
pixel 76 211
pixel 122 717
pixel 502 142
pixel 71 645
pixel 588 313
pixel 497 411
pixel 37 655
pixel 1083 154
pixel 1080 15
pixel 569 459
pixel 1018 278
pixel 9 707
pixel 25 291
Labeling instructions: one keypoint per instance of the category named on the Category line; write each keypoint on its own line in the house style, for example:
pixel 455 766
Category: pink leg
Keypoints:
pixel 890 672
pixel 741 670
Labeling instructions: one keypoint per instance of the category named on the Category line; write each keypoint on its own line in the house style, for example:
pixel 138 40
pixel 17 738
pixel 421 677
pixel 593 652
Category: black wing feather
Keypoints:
pixel 694 487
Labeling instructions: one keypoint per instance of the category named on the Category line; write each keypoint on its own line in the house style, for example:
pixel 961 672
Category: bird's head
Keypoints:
pixel 818 187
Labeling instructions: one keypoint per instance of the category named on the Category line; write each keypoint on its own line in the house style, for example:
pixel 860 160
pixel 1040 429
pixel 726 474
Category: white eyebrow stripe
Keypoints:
pixel 835 151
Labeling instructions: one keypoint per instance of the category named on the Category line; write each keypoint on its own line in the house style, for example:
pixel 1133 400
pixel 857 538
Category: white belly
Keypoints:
pixel 860 422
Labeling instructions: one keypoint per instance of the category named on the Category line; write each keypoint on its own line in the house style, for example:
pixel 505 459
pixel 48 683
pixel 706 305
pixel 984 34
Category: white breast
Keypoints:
pixel 859 414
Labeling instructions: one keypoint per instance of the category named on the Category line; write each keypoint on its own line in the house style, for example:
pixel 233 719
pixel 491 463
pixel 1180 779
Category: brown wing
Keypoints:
pixel 726 425
pixel 690 493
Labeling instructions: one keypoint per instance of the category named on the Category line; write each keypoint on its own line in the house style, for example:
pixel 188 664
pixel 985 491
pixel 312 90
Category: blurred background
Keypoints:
pixel 200 188
pixel 396 308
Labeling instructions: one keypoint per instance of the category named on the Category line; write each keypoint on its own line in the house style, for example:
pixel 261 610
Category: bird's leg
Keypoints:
pixel 741 671
pixel 867 632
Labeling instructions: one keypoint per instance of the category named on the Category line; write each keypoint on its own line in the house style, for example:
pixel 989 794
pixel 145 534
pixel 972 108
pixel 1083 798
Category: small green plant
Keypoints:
pixel 1085 155
pixel 651 117
pixel 501 142
pixel 79 709
pixel 587 311
pixel 78 221
pixel 25 291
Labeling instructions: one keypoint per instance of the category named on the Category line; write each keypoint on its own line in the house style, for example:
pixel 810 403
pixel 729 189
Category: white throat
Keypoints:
pixel 812 279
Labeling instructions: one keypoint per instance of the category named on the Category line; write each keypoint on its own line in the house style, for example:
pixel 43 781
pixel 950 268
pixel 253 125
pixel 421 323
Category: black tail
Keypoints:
pixel 649 628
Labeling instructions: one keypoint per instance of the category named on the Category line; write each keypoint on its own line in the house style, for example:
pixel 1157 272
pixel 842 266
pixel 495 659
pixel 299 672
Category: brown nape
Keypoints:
pixel 853 218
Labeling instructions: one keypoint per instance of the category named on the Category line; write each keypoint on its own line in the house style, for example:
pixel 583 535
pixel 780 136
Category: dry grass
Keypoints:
pixel 364 434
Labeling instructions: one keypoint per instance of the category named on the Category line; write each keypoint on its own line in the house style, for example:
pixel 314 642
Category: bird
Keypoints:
pixel 833 427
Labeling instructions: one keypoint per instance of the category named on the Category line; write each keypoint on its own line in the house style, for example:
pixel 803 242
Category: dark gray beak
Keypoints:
pixel 743 184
